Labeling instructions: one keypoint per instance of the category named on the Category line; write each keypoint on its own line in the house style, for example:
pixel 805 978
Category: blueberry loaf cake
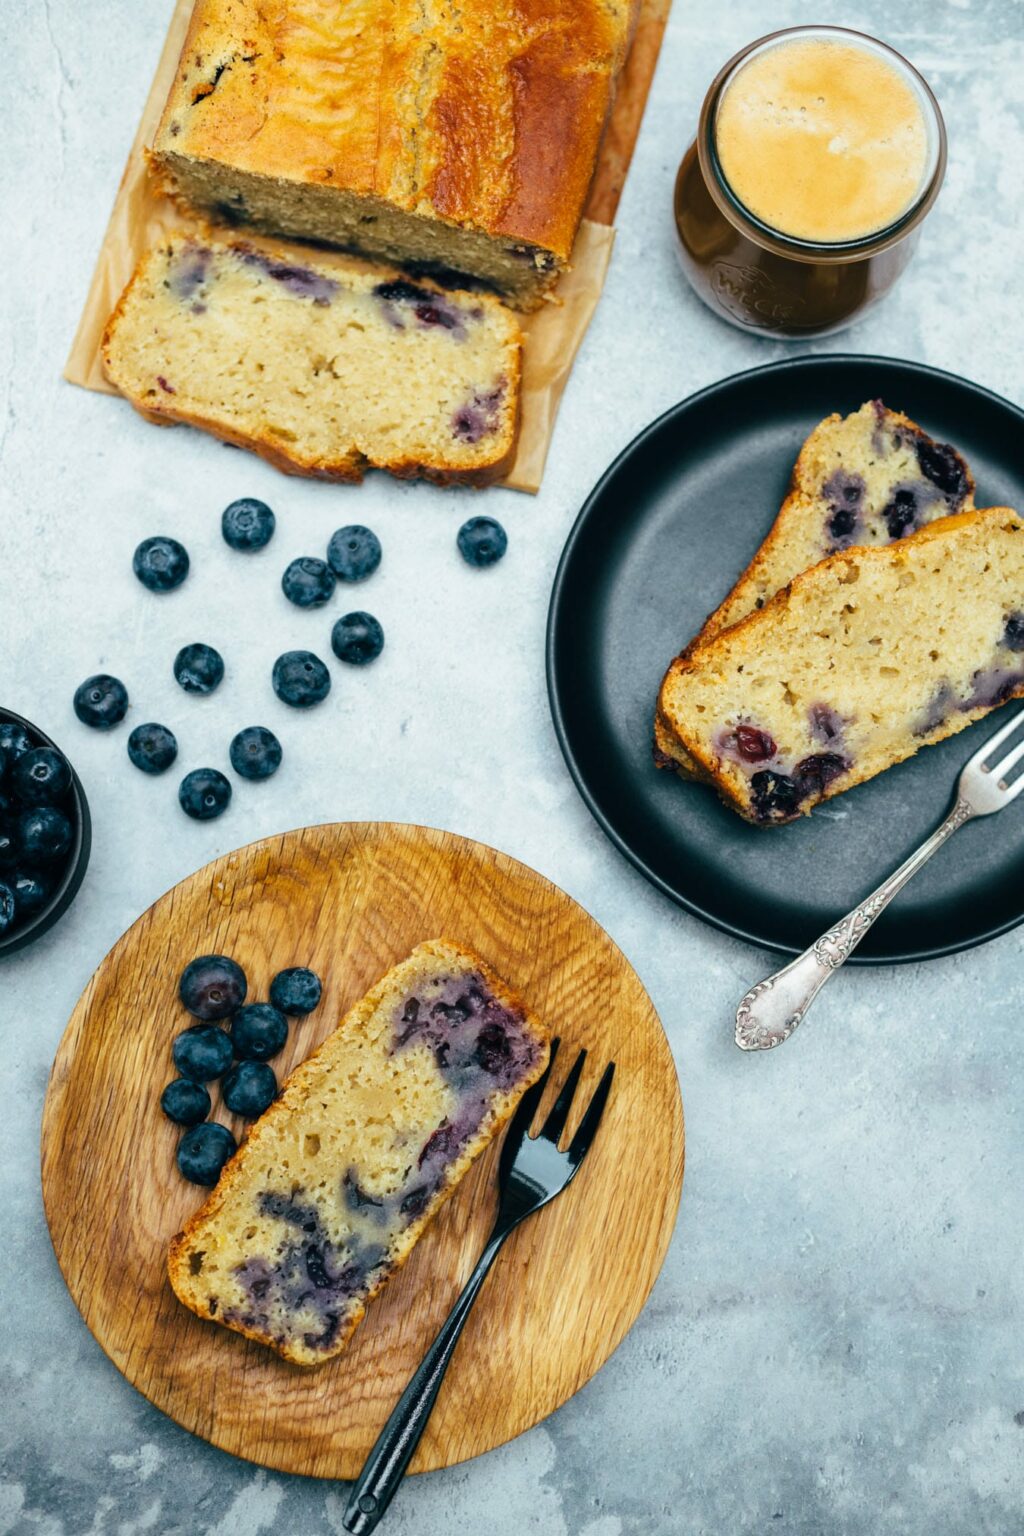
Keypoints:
pixel 335 1183
pixel 324 368
pixel 860 661
pixel 860 480
pixel 461 137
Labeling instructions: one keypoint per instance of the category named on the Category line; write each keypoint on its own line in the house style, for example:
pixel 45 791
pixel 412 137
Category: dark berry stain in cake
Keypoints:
pixel 480 416
pixel 1013 633
pixel 937 710
pixel 301 282
pixel 815 773
pixel 168 389
pixel 826 724
pixel 941 464
pixel 901 514
pixel 992 686
pixel 428 309
pixel 189 270
pixel 844 493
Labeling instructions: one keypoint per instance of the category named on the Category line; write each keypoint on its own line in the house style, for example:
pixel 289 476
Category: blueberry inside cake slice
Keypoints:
pixel 324 367
pixel 335 1183
pixel 863 659
pixel 859 481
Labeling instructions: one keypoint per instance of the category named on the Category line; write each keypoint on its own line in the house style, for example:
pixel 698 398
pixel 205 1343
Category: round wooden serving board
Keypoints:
pixel 351 900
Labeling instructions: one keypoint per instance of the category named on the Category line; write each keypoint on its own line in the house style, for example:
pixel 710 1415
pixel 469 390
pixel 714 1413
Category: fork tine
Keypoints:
pixel 1001 769
pixel 580 1144
pixel 984 753
pixel 554 1125
pixel 523 1117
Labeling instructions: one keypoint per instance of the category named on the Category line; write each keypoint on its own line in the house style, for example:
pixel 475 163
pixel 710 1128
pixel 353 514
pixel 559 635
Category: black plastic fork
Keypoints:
pixel 532 1171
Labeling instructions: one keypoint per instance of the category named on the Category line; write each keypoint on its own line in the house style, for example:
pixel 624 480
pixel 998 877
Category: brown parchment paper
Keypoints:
pixel 140 218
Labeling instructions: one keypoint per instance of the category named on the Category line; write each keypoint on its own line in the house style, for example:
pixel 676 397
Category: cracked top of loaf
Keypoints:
pixel 485 114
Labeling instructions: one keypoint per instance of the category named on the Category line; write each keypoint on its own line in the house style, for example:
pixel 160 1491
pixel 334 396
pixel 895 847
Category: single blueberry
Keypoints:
pixel 14 740
pixel 185 1102
pixel 493 1048
pixel 7 909
pixel 247 524
pixel 308 582
pixel 296 991
pixel 31 892
pixel 901 513
pixel 44 835
pixel 203 1151
pixel 152 747
pixel 258 1031
pixel 101 701
pixel 482 542
pixel 41 777
pixel 942 465
pixel 776 796
pixel 754 745
pixel 212 986
pixel 198 668
pixel 8 846
pixel 249 1088
pixel 1013 634
pixel 160 563
pixel 300 679
pixel 202 1052
pixel 817 772
pixel 353 553
pixel 255 753
pixel 204 794
pixel 357 638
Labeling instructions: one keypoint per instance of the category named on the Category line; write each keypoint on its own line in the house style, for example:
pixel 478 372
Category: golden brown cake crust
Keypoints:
pixel 487 115
pixel 440 951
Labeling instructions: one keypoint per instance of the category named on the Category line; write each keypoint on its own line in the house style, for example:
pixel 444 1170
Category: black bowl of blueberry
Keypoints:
pixel 45 832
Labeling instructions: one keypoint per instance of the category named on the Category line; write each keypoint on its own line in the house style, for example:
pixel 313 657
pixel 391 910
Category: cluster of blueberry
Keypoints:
pixel 212 988
pixel 36 827
pixel 299 678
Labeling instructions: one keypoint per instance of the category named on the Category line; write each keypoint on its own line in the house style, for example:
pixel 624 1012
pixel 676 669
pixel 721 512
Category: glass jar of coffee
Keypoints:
pixel 818 154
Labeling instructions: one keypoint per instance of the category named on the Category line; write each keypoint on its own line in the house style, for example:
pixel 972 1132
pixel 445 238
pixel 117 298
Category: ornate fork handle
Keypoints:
pixel 772 1010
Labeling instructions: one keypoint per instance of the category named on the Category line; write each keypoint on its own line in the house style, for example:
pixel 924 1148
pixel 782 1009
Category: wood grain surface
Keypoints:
pixel 350 900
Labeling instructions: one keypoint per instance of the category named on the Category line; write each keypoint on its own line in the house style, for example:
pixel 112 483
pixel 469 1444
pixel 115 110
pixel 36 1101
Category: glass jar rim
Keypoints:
pixel 810 250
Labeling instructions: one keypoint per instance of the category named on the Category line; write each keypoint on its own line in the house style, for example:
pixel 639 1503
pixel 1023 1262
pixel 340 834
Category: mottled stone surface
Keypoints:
pixel 834 1347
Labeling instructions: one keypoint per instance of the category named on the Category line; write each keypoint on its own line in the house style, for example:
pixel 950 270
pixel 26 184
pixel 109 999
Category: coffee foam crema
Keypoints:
pixel 823 140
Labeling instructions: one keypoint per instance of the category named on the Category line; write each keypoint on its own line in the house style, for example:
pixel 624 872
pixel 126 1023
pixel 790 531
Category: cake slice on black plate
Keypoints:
pixel 371 1134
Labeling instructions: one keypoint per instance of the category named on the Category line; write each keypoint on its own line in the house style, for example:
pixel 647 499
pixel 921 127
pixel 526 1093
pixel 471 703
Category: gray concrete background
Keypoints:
pixel 835 1343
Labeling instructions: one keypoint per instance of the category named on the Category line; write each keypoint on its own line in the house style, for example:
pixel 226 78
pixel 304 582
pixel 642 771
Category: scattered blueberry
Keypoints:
pixel 152 747
pixel 203 1151
pixel 754 745
pixel 357 638
pixel 249 1088
pixel 247 524
pixel 258 1031
pixel 185 1102
pixel 482 542
pixel 160 563
pixel 941 464
pixel 901 513
pixel 44 835
pixel 101 701
pixel 14 740
pixel 300 679
pixel 353 553
pixel 255 753
pixel 31 893
pixel 41 776
pixel 198 667
pixel 1013 634
pixel 204 793
pixel 7 908
pixel 296 991
pixel 816 772
pixel 776 796
pixel 308 582
pixel 212 986
pixel 202 1052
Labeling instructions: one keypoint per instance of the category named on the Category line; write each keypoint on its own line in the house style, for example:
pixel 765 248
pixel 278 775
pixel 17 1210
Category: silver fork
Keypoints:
pixel 532 1171
pixel 771 1011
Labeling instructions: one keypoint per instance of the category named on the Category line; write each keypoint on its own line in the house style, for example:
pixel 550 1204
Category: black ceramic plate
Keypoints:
pixel 658 544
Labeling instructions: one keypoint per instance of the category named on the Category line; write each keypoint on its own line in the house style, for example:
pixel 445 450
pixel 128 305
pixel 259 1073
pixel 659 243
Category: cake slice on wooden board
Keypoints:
pixel 460 136
pixel 860 480
pixel 859 662
pixel 323 367
pixel 371 1134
